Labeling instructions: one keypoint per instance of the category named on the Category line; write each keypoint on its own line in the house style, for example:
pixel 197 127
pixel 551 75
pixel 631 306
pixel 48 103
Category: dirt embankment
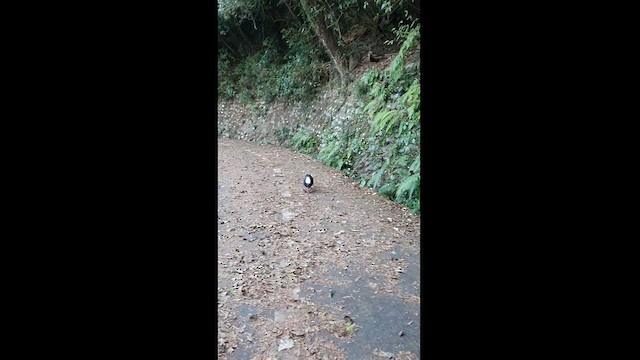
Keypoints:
pixel 275 123
pixel 333 274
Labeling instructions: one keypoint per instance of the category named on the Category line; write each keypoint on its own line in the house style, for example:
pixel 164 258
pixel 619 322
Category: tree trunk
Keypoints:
pixel 326 37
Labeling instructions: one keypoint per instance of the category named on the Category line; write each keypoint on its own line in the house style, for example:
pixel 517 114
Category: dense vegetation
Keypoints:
pixel 288 49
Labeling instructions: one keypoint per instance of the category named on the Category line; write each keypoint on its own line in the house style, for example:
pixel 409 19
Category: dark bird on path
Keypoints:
pixel 308 183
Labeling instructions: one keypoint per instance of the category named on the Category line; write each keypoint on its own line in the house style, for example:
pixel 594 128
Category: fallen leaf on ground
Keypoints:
pixel 350 327
pixel 383 354
pixel 285 344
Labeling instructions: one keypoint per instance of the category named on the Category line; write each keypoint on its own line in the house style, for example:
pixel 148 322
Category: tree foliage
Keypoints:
pixel 284 30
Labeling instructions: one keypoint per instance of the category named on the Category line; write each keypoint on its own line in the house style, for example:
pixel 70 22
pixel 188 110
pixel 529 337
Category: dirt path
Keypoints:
pixel 334 274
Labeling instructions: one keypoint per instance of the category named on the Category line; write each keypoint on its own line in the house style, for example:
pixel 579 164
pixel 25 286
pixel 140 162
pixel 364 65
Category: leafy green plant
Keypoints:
pixel 282 134
pixel 269 74
pixel 305 142
pixel 403 29
pixel 410 185
pixel 377 176
pixel 387 190
pixel 330 154
pixel 397 65
pixel 366 82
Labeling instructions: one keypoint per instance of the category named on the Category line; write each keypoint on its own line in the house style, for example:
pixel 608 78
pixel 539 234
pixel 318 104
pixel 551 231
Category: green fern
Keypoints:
pixel 415 166
pixel 330 153
pixel 383 119
pixel 387 190
pixel 410 184
pixel 375 179
pixel 305 142
pixel 393 121
pixel 402 161
pixel 372 106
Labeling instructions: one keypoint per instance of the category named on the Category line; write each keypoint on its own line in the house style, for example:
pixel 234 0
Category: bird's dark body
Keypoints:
pixel 307 182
